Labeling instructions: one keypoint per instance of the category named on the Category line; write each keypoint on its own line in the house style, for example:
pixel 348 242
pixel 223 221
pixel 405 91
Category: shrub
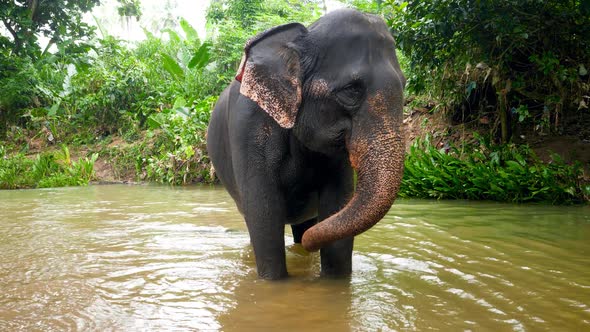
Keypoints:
pixel 181 156
pixel 504 54
pixel 49 169
pixel 484 171
pixel 19 81
pixel 15 172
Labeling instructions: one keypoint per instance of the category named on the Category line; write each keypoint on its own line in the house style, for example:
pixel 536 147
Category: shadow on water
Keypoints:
pixel 158 258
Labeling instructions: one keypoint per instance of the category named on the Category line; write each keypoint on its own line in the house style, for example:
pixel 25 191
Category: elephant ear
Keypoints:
pixel 270 72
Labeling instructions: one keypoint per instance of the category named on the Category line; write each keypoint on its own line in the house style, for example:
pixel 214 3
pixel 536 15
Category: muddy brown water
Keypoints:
pixel 152 258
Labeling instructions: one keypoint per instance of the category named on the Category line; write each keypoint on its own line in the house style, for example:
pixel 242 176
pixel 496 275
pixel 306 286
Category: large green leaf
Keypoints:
pixel 190 32
pixel 174 37
pixel 514 166
pixel 155 121
pixel 202 58
pixel 148 34
pixel 172 66
pixel 179 102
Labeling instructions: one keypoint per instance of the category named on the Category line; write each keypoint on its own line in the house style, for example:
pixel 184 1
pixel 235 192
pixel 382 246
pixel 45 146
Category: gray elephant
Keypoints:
pixel 308 106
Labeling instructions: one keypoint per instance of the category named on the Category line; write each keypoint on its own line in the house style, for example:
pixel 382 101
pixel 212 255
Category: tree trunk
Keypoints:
pixel 17 41
pixel 503 110
pixel 33 7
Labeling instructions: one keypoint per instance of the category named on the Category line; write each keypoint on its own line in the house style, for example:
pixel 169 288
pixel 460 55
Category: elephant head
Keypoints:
pixel 339 88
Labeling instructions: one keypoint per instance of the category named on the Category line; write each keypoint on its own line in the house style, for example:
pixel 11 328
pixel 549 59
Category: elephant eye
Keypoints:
pixel 351 94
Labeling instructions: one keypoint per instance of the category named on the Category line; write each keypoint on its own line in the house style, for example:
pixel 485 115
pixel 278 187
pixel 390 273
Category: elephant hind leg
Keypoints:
pixel 299 229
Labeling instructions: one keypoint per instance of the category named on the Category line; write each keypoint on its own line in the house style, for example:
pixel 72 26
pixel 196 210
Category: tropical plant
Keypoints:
pixel 498 54
pixel 182 158
pixel 49 169
pixel 484 171
pixel 60 21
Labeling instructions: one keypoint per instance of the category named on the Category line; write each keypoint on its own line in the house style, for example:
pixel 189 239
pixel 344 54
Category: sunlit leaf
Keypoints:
pixel 179 102
pixel 154 122
pixel 174 37
pixel 190 32
pixel 202 58
pixel 172 66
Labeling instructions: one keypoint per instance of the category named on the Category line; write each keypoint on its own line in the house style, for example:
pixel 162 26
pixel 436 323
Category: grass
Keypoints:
pixel 48 169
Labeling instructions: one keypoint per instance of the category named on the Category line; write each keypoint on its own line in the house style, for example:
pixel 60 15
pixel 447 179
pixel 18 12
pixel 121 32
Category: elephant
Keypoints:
pixel 307 109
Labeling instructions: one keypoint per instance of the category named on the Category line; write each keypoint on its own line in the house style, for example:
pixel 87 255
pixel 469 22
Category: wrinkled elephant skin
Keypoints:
pixel 308 107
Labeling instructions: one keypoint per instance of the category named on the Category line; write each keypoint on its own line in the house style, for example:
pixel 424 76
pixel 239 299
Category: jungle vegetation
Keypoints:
pixel 143 107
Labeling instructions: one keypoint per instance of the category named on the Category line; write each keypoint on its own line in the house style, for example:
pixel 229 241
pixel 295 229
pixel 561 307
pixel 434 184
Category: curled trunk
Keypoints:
pixel 378 160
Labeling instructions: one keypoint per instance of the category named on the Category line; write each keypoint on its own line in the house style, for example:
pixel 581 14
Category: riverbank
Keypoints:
pixel 146 156
pixel 443 161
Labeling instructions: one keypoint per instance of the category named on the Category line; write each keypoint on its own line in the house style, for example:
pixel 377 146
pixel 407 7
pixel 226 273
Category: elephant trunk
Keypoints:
pixel 377 155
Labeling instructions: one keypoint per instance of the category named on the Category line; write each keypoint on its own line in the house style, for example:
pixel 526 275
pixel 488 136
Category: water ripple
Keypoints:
pixel 159 258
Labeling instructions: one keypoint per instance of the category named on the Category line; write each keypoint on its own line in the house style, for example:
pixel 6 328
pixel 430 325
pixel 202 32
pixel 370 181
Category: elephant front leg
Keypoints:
pixel 265 217
pixel 268 241
pixel 336 257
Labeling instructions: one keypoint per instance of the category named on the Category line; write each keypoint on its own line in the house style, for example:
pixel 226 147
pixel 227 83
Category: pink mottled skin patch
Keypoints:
pixel 281 101
pixel 318 88
pixel 263 134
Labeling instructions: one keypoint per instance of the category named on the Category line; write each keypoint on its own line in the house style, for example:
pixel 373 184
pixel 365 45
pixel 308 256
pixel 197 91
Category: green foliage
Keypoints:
pixel 126 160
pixel 13 172
pixel 179 66
pixel 201 58
pixel 182 157
pixel 161 85
pixel 367 6
pixel 19 80
pixel 129 8
pixel 113 92
pixel 113 89
pixel 244 12
pixel 49 169
pixel 58 20
pixel 233 22
pixel 172 66
pixel 490 172
pixel 531 53
pixel 190 32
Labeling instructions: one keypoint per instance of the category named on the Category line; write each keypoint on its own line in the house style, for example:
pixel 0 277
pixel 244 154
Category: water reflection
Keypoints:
pixel 158 258
pixel 299 303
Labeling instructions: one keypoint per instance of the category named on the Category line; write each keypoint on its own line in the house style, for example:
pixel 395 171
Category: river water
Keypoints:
pixel 150 258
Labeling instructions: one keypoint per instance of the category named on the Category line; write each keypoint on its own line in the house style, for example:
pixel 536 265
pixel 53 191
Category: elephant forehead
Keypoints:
pixel 348 19
pixel 352 35
pixel 348 61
